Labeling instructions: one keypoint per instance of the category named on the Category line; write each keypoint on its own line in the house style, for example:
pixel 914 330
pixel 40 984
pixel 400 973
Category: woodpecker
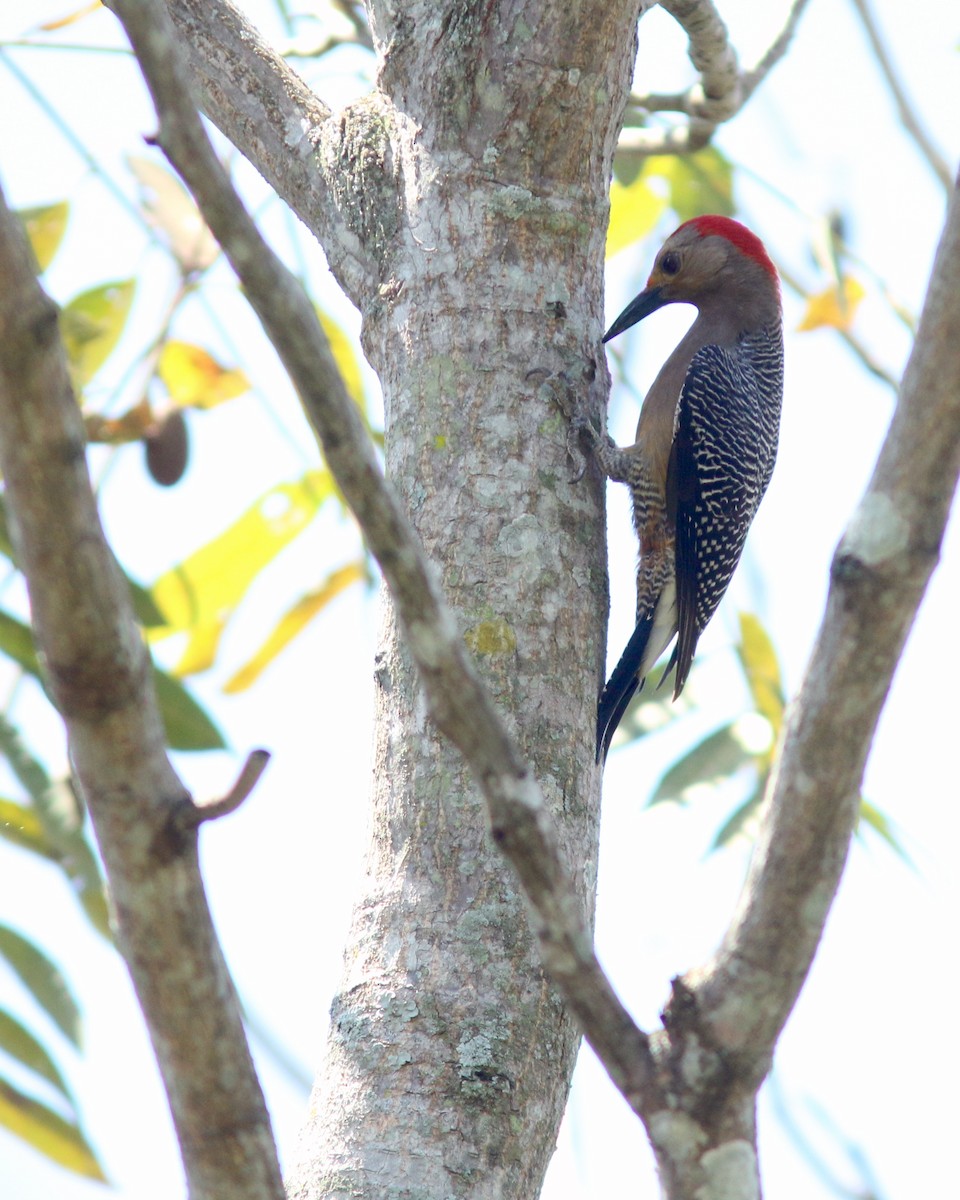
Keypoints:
pixel 705 446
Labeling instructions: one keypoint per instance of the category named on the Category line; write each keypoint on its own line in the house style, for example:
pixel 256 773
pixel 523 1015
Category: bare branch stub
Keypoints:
pixel 909 117
pixel 255 765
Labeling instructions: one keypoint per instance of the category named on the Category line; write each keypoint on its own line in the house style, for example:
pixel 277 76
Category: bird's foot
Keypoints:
pixel 559 388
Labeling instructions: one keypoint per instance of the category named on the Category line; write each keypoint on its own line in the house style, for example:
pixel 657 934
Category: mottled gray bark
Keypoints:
pixel 469 190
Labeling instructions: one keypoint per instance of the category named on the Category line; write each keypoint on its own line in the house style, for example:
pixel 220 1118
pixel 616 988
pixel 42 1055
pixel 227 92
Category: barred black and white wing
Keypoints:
pixel 723 455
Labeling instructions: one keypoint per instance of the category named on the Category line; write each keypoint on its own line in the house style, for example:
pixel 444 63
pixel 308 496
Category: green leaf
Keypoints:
pixel 59 815
pixel 214 579
pixel 91 325
pixel 144 606
pixel 345 356
pixel 93 901
pixel 294 622
pixel 45 227
pixel 44 980
pixel 758 658
pixel 17 1041
pixel 81 866
pixel 194 379
pixel 29 771
pixel 736 823
pixel 6 545
pixel 880 824
pixel 187 725
pixel 697 183
pixel 169 207
pixel 22 827
pixel 833 308
pixel 199 595
pixel 16 642
pixel 716 758
pixel 48 1132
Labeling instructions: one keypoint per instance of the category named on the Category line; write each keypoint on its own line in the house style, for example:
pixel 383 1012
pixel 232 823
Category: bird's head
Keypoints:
pixel 706 258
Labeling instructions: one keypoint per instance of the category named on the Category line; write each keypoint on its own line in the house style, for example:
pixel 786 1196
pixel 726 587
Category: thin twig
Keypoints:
pixel 908 115
pixel 775 51
pixel 852 341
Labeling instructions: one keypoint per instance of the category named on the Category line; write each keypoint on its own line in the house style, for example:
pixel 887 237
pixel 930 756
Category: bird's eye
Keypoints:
pixel 670 263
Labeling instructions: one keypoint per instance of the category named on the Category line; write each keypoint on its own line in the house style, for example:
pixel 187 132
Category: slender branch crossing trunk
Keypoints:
pixel 450 1055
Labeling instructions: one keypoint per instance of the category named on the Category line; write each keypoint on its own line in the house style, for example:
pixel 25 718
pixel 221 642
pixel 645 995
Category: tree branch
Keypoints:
pixel 717 97
pixel 880 572
pixel 459 703
pixel 265 109
pixel 99 675
pixel 723 89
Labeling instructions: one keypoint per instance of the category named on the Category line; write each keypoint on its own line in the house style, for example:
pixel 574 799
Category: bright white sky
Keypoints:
pixel 872 1048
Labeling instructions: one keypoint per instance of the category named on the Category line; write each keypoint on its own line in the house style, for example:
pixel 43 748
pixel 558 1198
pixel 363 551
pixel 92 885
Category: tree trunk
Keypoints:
pixel 450 1056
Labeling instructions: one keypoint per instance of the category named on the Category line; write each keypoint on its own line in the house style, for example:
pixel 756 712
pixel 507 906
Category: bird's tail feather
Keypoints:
pixel 621 686
pixel 656 626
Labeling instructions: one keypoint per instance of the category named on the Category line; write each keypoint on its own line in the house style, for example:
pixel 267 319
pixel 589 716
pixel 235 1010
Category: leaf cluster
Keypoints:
pixel 176 380
pixel 742 751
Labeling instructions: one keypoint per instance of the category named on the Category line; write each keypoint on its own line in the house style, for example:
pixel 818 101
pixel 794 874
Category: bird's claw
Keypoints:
pixel 558 387
pixel 581 432
pixel 577 457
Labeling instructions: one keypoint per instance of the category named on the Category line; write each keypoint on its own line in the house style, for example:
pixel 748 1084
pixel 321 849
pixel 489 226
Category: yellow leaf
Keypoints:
pixel 91 325
pixel 47 1132
pixel 45 227
pixel 195 379
pixel 835 308
pixel 70 18
pixel 169 207
pixel 201 649
pixel 698 183
pixel 758 658
pixel 206 587
pixel 344 356
pixel 292 622
pixel 634 211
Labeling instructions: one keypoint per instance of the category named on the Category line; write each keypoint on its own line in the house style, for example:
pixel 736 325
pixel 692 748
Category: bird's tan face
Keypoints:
pixel 689 266
pixel 722 278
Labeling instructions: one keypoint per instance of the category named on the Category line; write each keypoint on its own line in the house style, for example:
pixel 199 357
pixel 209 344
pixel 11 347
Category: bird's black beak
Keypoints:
pixel 639 307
